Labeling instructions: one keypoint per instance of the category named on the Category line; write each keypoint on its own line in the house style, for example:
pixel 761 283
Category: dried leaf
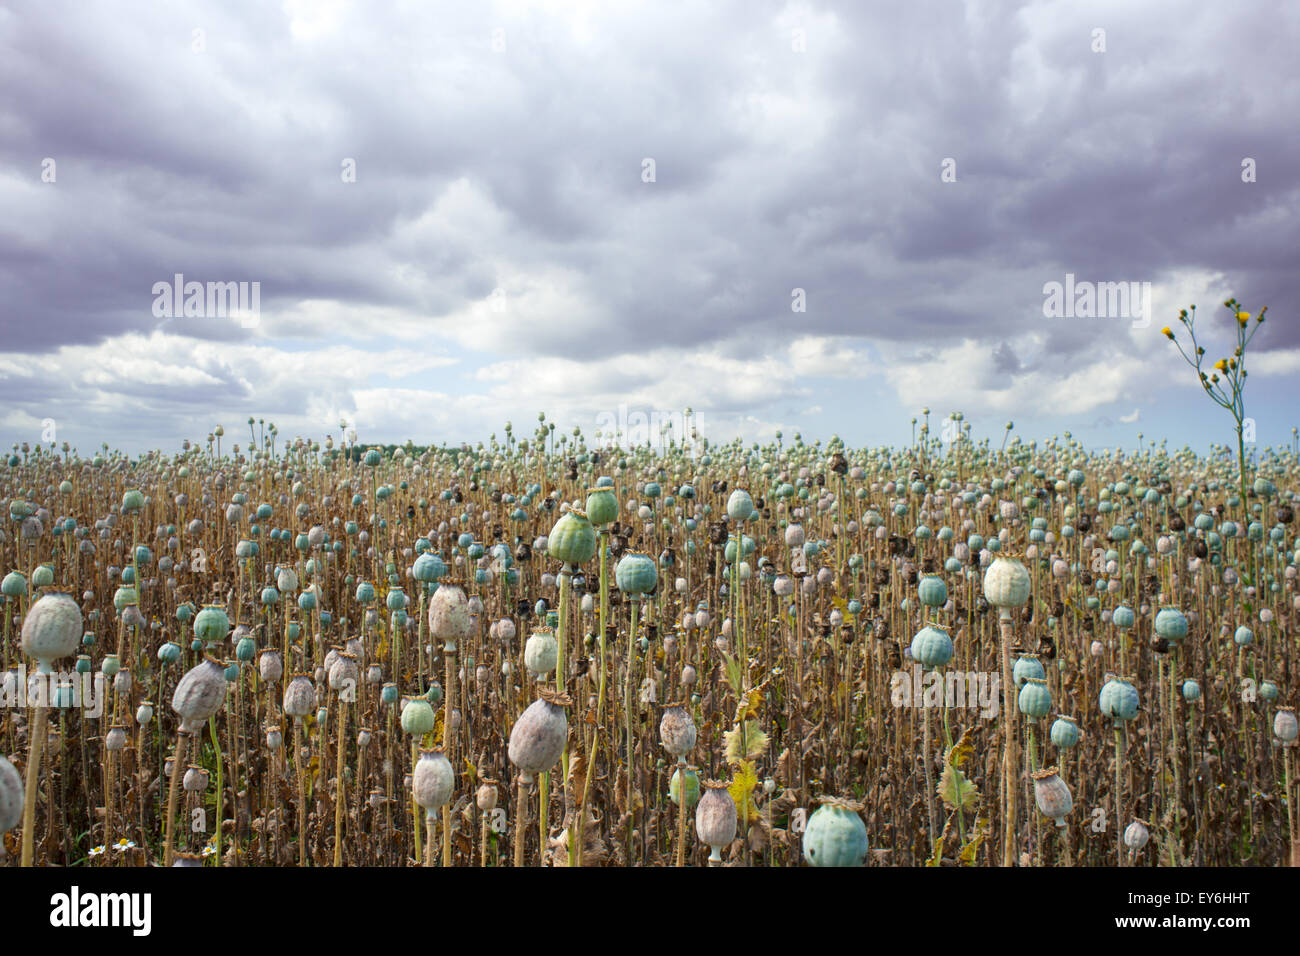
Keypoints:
pixel 967 855
pixel 960 752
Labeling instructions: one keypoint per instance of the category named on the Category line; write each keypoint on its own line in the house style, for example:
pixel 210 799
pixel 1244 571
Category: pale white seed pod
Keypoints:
pixel 269 666
pixel 541 652
pixel 450 615
pixel 1052 795
pixel 433 780
pixel 1136 835
pixel 11 796
pixel 195 779
pixel 199 694
pixel 1285 727
pixel 715 818
pixel 52 628
pixel 299 697
pixel 486 797
pixel 115 739
pixel 677 730
pixel 538 736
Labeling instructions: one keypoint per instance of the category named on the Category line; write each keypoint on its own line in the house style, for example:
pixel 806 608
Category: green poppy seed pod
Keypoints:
pixel 417 716
pixel 1035 700
pixel 602 506
pixel 715 818
pixel 932 647
pixel 835 835
pixel 932 590
pixel 572 539
pixel 211 625
pixel 636 573
pixel 110 665
pixel 692 788
pixel 1052 795
pixel 538 736
pixel 541 652
pixel 199 694
pixel 1171 624
pixel 1065 732
pixel 449 614
pixel 1027 667
pixel 14 585
pixel 677 729
pixel 299 697
pixel 432 781
pixel 11 797
pixel 132 501
pixel 52 629
pixel 1118 700
pixel 1285 727
pixel 1006 583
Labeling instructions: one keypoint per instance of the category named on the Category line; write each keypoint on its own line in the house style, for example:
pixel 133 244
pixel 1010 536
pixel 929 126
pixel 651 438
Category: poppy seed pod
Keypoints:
pixel 835 835
pixel 538 736
pixel 715 819
pixel 1006 583
pixel 417 716
pixel 52 628
pixel 432 781
pixel 572 539
pixel 274 738
pixel 677 729
pixel 344 673
pixel 449 614
pixel 486 797
pixel 195 780
pixel 541 652
pixel 1052 795
pixel 1285 726
pixel 269 666
pixel 199 694
pixel 1136 835
pixel 115 739
pixel 11 796
pixel 299 697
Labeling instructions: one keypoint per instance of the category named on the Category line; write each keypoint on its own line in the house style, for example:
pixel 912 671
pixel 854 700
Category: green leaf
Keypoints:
pixel 956 790
pixel 754 744
pixel 732 673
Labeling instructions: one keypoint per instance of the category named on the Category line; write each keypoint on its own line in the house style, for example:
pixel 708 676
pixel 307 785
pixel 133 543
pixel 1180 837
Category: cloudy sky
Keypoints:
pixel 463 214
